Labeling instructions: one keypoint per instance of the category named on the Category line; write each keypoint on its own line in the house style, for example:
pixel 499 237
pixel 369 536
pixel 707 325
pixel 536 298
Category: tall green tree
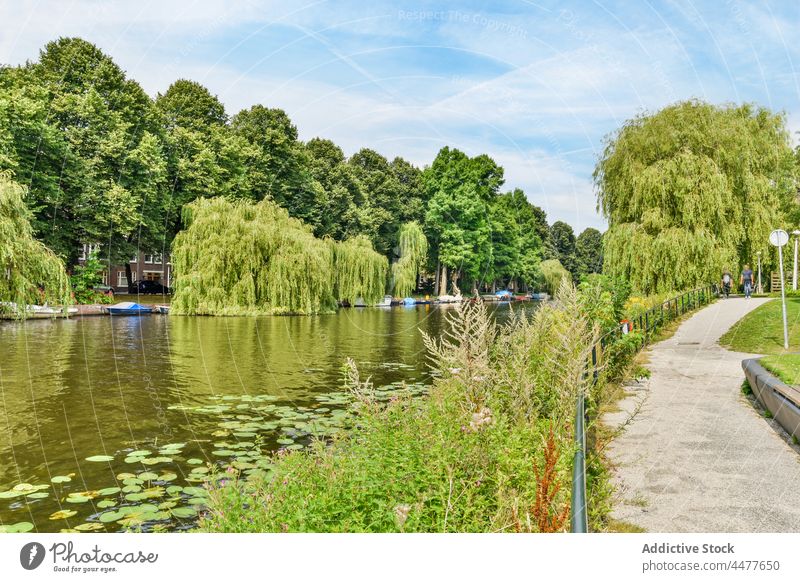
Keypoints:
pixel 278 166
pixel 460 191
pixel 107 135
pixel 589 251
pixel 564 244
pixel 692 190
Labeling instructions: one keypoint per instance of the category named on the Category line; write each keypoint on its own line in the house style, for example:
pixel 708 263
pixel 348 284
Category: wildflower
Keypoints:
pixel 481 418
pixel 401 515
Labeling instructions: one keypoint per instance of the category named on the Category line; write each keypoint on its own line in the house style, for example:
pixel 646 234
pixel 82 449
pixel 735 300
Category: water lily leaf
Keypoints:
pixel 63 514
pixel 174 489
pixel 195 491
pixel 11 494
pixel 200 470
pixel 109 490
pixel 184 512
pixel 131 488
pixel 131 460
pixel 77 499
pixel 68 530
pixel 153 492
pixel 38 495
pixel 134 497
pixel 106 503
pixel 123 476
pixel 195 461
pixel 166 505
pixel 223 452
pixel 285 441
pixel 24 487
pixel 89 526
pixel 148 476
pixel 156 460
pixel 20 527
pixel 61 479
pixel 100 458
pixel 132 481
pixel 140 453
pixel 167 477
pixel 110 516
pixel 197 501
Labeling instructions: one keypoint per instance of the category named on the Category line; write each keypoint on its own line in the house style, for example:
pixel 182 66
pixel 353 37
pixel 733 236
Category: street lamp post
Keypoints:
pixel 778 238
pixel 796 234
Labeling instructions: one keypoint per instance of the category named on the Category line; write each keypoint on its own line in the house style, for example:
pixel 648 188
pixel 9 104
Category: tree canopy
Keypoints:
pixel 692 190
pixel 103 163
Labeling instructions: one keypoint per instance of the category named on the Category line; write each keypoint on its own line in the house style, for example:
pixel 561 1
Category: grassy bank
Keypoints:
pixel 786 367
pixel 488 450
pixel 761 330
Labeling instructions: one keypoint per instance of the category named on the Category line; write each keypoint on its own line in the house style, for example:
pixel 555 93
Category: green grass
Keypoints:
pixel 786 367
pixel 761 330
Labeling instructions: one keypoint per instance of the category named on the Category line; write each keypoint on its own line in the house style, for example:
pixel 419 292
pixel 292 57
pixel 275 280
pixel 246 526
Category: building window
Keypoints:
pixel 87 250
pixel 122 280
pixel 135 259
pixel 152 275
pixel 105 277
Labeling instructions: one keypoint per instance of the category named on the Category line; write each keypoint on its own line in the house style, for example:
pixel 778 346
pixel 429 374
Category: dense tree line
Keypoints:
pixel 105 163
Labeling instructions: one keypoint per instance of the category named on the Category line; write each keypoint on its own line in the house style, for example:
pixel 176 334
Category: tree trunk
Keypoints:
pixel 443 281
pixel 128 276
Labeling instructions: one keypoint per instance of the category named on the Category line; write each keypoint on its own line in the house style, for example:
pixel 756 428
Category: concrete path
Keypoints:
pixel 693 454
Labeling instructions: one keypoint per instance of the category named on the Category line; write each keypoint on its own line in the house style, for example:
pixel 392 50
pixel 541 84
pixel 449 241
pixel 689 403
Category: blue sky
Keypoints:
pixel 536 85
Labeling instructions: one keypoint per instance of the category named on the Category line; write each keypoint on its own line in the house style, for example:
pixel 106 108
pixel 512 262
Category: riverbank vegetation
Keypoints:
pixel 30 273
pixel 106 164
pixel 489 449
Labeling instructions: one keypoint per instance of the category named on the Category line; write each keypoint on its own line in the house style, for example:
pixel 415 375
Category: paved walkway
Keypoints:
pixel 695 456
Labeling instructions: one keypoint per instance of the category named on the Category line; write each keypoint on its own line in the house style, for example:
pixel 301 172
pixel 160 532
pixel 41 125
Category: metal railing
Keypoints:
pixel 649 323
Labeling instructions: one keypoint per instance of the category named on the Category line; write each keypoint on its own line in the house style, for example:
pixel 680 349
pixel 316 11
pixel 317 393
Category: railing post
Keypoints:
pixel 578 520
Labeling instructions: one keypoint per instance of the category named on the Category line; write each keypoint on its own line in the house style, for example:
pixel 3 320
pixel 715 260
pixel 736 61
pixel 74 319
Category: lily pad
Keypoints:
pixel 11 494
pixel 38 495
pixel 123 476
pixel 148 476
pixel 77 499
pixel 166 477
pixel 109 490
pixel 20 527
pixel 195 461
pixel 184 512
pixel 63 514
pixel 61 479
pixel 94 526
pixel 106 503
pixel 100 458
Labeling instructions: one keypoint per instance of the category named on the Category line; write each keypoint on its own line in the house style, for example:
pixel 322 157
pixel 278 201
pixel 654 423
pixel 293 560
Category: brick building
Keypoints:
pixel 144 267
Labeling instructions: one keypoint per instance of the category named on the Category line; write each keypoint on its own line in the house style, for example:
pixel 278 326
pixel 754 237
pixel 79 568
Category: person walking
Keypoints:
pixel 746 280
pixel 726 283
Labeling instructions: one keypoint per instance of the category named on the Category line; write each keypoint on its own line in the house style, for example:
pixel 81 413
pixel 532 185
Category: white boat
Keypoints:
pixel 450 298
pixel 385 302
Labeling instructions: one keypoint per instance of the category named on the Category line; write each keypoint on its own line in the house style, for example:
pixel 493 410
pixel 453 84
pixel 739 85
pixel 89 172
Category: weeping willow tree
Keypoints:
pixel 236 257
pixel 692 190
pixel 239 258
pixel 30 273
pixel 360 271
pixel 413 254
pixel 554 274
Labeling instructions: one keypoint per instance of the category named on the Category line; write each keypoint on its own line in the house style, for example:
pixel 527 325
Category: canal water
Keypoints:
pixel 115 423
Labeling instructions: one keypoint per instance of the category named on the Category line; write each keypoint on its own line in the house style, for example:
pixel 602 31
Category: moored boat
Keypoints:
pixel 129 308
